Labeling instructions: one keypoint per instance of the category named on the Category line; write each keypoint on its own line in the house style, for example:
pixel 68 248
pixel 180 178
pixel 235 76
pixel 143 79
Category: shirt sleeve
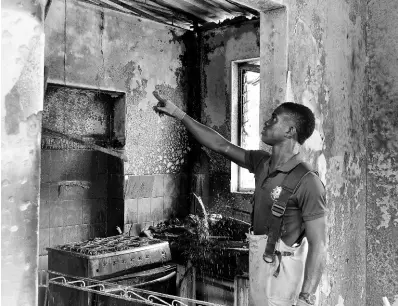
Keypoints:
pixel 311 197
pixel 253 158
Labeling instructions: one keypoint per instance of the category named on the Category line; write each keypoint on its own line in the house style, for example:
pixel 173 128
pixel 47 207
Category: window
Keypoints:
pixel 245 118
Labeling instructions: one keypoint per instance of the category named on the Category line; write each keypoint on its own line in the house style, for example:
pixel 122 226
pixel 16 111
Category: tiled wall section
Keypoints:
pixel 150 199
pixel 72 213
pixel 112 199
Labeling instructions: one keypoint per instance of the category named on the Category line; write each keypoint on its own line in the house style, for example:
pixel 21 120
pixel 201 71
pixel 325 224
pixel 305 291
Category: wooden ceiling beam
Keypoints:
pixel 142 13
pixel 244 8
pixel 178 3
pixel 223 7
pixel 199 4
pixel 167 15
pixel 184 14
pixel 158 9
pixel 218 13
pixel 133 8
pixel 114 7
pixel 228 6
pixel 103 4
pixel 177 9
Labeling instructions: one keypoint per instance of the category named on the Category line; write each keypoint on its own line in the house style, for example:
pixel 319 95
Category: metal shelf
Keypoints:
pixel 128 293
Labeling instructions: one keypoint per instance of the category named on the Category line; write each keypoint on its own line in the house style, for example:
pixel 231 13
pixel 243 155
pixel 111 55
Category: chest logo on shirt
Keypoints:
pixel 276 192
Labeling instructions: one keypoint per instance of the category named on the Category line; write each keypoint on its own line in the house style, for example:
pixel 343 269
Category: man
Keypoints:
pixel 293 277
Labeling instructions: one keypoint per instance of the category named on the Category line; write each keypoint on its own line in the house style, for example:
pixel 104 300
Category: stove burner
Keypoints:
pixel 99 246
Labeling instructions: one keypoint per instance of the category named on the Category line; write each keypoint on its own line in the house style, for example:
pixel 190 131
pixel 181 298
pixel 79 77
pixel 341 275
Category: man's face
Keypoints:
pixel 276 127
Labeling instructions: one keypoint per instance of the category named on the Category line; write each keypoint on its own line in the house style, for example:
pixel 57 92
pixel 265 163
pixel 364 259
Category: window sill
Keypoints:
pixel 244 192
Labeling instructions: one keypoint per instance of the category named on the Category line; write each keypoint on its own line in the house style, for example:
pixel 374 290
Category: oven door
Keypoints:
pixel 161 279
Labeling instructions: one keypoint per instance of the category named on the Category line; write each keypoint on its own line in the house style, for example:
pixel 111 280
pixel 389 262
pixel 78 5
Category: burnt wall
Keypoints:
pixel 118 52
pixel 22 72
pixel 382 203
pixel 219 47
pixel 102 50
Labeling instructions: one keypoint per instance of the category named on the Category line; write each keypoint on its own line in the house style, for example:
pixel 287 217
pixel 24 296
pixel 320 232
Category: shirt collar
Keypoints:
pixel 290 164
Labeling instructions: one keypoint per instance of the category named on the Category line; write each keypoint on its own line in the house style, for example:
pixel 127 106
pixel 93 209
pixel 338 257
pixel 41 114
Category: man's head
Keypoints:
pixel 289 121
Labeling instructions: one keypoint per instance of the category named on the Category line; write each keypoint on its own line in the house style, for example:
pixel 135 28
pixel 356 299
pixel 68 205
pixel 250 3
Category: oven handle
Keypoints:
pixel 160 279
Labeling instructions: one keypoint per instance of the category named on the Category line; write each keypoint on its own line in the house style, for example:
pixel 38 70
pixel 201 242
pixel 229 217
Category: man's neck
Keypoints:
pixel 282 152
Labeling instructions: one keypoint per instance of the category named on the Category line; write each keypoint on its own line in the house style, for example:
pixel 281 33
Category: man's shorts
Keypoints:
pixel 266 289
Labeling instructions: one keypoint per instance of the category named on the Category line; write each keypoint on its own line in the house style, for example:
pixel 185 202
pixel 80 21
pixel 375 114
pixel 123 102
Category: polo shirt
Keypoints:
pixel 307 203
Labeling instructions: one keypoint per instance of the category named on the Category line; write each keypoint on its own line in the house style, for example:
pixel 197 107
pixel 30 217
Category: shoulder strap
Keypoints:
pixel 294 177
pixel 289 185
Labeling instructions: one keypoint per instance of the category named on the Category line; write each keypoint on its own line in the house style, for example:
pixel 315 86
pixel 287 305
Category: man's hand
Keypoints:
pixel 203 134
pixel 316 259
pixel 166 107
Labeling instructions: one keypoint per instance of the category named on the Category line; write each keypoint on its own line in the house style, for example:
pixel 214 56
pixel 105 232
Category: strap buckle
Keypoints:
pixel 269 258
pixel 278 210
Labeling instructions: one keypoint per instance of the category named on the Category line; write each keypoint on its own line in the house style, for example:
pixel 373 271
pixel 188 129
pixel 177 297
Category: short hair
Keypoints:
pixel 303 117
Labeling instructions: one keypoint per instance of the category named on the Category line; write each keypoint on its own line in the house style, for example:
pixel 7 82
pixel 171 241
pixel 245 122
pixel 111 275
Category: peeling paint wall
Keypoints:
pixel 219 47
pixel 113 51
pixel 22 69
pixel 327 60
pixel 327 57
pixel 382 203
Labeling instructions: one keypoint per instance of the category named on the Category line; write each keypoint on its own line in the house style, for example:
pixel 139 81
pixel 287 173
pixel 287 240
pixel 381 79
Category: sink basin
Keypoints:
pixel 219 259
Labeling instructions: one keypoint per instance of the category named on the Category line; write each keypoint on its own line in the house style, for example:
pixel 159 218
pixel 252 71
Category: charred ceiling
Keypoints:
pixel 186 14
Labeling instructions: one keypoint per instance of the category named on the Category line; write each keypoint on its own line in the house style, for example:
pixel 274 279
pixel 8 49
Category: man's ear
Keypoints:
pixel 291 132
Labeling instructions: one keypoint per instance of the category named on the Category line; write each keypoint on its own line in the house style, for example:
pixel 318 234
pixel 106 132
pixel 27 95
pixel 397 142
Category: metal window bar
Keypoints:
pixel 243 97
pixel 241 112
pixel 122 292
pixel 243 107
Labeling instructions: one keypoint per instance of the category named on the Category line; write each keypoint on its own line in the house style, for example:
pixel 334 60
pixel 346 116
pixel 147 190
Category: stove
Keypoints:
pixel 121 260
pixel 102 258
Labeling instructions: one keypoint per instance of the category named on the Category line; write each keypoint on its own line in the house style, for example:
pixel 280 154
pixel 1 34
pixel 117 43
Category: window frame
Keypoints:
pixel 237 69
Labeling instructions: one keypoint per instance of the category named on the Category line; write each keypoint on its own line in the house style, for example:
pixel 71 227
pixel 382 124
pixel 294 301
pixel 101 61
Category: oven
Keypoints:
pixel 123 261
